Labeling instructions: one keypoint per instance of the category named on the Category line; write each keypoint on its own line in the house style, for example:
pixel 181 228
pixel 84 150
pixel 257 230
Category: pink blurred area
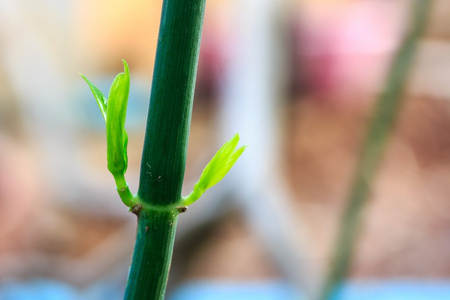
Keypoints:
pixel 347 48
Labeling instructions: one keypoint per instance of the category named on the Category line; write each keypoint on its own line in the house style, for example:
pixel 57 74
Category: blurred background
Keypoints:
pixel 297 79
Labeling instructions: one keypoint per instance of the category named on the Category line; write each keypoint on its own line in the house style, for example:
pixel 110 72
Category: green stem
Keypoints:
pixel 151 264
pixel 124 191
pixel 380 128
pixel 165 146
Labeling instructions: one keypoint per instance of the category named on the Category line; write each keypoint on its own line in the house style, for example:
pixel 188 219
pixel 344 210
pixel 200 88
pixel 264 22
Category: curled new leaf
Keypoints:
pixel 116 136
pixel 114 112
pixel 216 169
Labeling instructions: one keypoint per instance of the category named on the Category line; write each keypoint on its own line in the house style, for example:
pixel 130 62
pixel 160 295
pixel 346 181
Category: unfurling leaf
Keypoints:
pixel 114 112
pixel 116 136
pixel 101 100
pixel 216 169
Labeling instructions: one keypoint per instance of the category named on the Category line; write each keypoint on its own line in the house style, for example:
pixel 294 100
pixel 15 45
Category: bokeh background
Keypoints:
pixel 297 79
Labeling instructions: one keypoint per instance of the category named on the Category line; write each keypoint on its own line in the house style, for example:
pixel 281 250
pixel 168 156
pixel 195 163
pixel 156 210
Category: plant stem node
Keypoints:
pixel 136 209
pixel 182 209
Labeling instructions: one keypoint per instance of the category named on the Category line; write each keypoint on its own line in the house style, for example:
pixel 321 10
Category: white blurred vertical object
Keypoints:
pixel 251 98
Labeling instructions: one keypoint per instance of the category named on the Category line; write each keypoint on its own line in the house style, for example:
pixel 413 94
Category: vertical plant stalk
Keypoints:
pixel 165 147
pixel 385 115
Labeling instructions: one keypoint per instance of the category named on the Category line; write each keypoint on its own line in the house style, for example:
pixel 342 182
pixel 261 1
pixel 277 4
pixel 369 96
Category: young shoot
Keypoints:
pixel 216 169
pixel 114 110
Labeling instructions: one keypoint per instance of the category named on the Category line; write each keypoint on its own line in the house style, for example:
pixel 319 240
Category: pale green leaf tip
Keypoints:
pixel 216 169
pixel 98 95
pixel 86 79
pixel 125 67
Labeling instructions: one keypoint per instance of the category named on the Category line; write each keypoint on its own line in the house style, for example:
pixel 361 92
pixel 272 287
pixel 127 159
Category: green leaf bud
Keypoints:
pixel 216 169
pixel 116 136
pixel 114 112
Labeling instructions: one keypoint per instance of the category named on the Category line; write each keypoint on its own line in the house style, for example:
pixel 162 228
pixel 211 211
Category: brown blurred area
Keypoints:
pixel 338 53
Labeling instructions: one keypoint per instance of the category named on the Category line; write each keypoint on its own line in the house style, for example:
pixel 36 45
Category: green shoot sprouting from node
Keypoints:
pixel 114 110
pixel 216 169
